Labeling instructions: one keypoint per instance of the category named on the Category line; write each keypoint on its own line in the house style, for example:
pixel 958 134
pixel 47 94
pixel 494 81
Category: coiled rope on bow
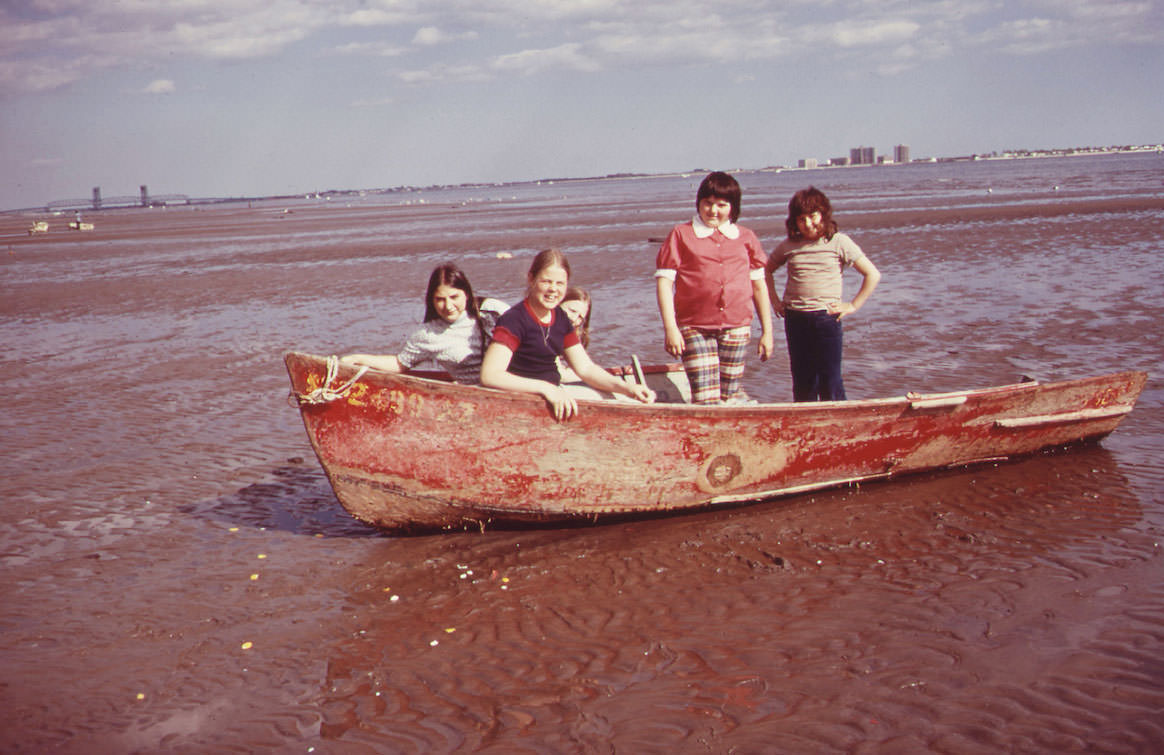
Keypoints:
pixel 325 393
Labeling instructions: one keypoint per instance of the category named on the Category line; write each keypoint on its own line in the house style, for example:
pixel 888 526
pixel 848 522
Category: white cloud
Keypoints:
pixel 375 102
pixel 76 39
pixel 372 49
pixel 36 76
pixel 1108 10
pixel 881 33
pixel 368 17
pixel 443 72
pixel 431 35
pixel 52 43
pixel 1031 35
pixel 428 35
pixel 420 76
pixel 228 39
pixel 528 62
pixel 1041 26
pixel 160 86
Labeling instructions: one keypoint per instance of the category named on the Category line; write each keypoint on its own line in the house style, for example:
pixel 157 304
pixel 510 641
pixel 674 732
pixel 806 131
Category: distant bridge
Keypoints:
pixel 104 203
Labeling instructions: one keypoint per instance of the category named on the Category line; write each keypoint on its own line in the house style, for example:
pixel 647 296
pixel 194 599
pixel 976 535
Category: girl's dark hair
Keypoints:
pixel 806 202
pixel 548 258
pixel 721 186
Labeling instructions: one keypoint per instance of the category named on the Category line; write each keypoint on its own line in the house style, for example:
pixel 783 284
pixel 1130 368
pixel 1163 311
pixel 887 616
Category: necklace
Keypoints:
pixel 545 328
pixel 546 332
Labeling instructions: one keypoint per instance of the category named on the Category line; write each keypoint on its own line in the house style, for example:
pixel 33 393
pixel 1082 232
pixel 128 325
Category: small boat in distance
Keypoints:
pixel 415 452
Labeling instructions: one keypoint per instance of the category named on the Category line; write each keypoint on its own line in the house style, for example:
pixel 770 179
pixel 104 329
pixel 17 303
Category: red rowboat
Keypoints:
pixel 412 452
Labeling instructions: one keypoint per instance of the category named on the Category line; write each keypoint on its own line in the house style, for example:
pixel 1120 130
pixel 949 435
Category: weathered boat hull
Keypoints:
pixel 406 452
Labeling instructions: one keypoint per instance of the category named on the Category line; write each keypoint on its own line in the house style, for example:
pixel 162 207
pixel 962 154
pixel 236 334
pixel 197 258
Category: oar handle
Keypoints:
pixel 638 367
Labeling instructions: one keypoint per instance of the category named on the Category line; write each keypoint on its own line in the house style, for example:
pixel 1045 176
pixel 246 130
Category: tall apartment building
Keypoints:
pixel 862 156
pixel 901 153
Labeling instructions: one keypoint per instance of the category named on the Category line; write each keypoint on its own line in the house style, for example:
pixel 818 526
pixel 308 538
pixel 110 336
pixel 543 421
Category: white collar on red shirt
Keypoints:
pixel 702 230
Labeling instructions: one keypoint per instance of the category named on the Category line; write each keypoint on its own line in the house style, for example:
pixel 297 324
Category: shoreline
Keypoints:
pixel 342 193
pixel 127 223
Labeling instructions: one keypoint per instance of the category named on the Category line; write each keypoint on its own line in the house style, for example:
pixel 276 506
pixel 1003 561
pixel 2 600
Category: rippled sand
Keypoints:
pixel 178 577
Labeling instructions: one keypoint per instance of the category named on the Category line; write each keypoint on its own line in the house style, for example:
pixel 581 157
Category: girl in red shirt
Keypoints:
pixel 709 278
pixel 532 334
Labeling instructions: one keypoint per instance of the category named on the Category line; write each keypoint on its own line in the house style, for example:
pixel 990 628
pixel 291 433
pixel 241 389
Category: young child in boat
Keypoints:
pixel 816 254
pixel 576 305
pixel 532 334
pixel 457 326
pixel 709 278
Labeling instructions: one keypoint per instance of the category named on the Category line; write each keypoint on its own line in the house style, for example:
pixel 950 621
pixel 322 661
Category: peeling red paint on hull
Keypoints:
pixel 409 452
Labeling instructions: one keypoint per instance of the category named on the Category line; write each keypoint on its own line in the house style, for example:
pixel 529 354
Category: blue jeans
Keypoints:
pixel 814 354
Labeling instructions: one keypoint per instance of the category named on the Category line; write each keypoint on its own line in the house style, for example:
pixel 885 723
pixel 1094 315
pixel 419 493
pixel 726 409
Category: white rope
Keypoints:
pixel 325 393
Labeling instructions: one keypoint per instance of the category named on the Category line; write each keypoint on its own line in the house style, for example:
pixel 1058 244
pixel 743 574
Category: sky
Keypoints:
pixel 232 98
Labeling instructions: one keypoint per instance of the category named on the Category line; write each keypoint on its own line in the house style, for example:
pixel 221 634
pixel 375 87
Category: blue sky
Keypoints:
pixel 259 97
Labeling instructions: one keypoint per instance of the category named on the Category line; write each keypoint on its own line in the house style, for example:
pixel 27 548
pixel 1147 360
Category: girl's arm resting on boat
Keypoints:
pixel 495 374
pixel 872 277
pixel 598 378
pixel 381 362
pixel 665 293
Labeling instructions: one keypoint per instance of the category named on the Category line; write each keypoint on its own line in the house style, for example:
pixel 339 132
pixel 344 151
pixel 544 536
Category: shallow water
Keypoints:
pixel 162 506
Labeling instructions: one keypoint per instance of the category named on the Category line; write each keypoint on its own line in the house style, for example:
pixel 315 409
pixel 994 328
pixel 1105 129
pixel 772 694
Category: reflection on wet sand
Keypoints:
pixel 737 627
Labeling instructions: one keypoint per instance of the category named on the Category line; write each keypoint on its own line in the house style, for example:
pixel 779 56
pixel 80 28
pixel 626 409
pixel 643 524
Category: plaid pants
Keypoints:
pixel 714 361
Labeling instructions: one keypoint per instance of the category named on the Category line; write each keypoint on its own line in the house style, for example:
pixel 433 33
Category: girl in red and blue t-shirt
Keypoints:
pixel 709 278
pixel 530 336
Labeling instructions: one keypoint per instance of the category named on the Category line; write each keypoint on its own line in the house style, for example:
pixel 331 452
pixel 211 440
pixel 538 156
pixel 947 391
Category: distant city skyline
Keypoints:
pixel 901 154
pixel 144 198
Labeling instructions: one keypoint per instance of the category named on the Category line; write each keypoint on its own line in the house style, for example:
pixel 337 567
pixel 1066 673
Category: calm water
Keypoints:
pixel 177 576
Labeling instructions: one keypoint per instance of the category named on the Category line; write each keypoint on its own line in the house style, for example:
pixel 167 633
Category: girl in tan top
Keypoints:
pixel 815 255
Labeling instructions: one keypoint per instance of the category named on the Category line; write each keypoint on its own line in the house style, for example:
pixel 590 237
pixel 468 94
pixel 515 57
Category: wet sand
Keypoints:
pixel 178 577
